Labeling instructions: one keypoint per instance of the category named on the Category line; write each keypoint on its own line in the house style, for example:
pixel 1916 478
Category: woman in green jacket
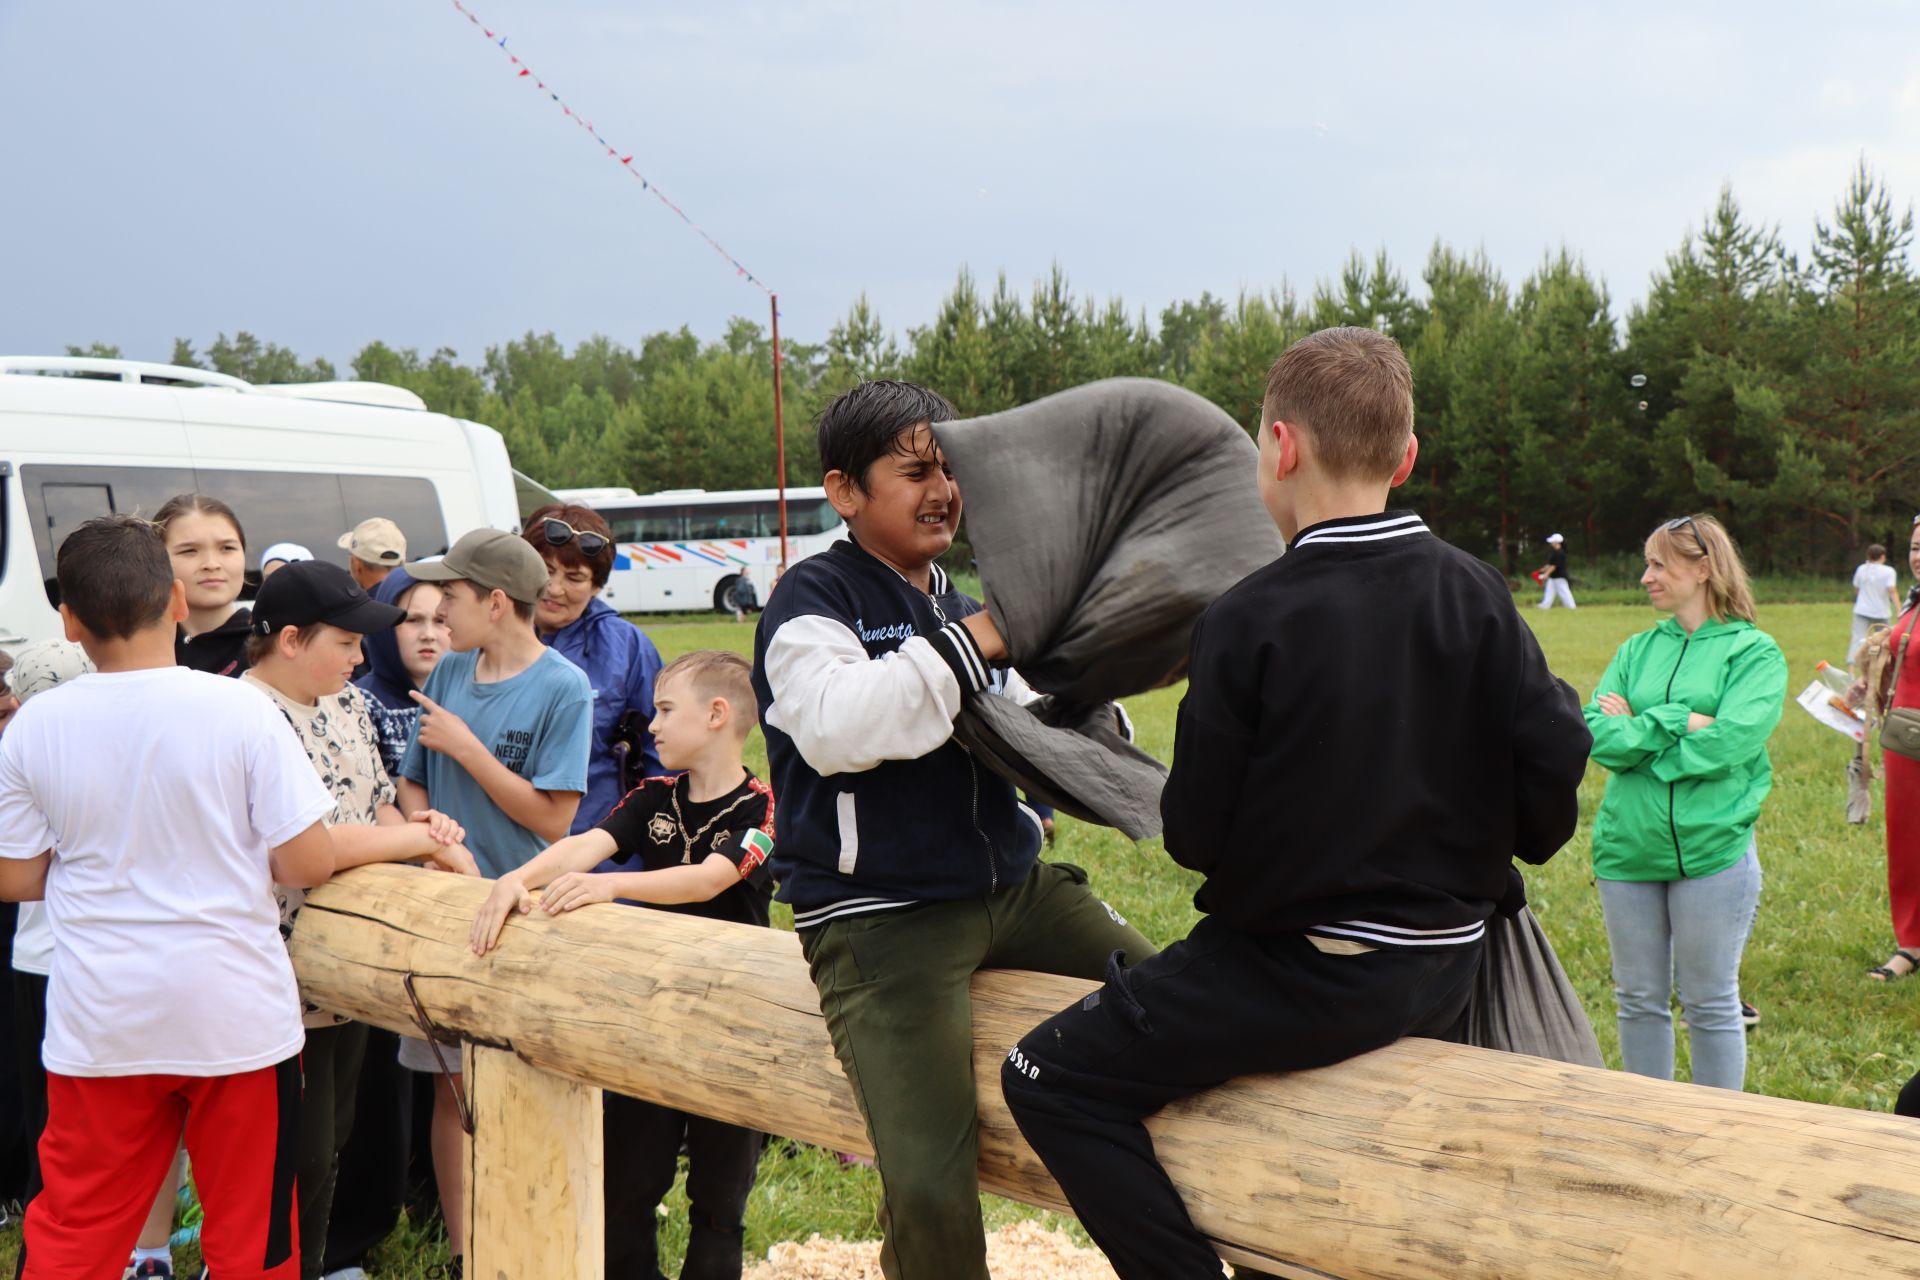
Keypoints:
pixel 1681 720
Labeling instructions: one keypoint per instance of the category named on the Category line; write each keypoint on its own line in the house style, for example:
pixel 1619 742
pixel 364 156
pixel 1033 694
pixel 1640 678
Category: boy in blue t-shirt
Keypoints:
pixel 505 726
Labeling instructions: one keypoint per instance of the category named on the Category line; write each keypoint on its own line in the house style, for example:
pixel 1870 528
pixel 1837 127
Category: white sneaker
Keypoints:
pixel 346 1273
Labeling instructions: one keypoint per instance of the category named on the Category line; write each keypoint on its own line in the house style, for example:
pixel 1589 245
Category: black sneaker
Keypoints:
pixel 1749 1016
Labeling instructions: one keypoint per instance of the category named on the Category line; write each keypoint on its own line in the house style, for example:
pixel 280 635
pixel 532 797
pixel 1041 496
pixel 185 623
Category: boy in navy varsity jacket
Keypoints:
pixel 1370 735
pixel 908 864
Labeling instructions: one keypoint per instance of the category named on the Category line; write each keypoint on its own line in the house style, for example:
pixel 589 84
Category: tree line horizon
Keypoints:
pixel 1780 393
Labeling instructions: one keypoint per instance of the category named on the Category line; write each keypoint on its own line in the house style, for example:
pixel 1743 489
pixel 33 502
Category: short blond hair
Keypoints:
pixel 1352 390
pixel 1701 537
pixel 716 673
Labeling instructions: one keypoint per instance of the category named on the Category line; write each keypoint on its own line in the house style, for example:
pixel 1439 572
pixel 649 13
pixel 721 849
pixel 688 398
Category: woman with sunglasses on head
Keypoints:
pixel 1680 720
pixel 618 658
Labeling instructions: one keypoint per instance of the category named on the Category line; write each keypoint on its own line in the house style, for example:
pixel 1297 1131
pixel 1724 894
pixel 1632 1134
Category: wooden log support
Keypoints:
pixel 1422 1160
pixel 535 1203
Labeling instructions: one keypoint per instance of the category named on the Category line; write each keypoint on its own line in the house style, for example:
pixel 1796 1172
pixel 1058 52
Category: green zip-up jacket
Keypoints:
pixel 1682 805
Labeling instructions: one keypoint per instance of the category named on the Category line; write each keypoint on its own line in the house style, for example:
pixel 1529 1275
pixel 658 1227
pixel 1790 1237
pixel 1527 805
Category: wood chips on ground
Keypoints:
pixel 1022 1251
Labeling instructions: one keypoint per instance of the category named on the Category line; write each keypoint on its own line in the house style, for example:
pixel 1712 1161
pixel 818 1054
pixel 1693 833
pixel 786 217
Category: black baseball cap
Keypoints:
pixel 304 592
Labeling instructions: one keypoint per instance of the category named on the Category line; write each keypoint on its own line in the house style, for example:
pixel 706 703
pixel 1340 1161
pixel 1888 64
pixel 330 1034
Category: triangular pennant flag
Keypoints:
pixel 489 33
pixel 626 159
pixel 523 72
pixel 514 58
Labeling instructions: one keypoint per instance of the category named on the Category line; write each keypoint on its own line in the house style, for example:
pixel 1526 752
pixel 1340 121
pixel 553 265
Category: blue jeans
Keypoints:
pixel 1685 933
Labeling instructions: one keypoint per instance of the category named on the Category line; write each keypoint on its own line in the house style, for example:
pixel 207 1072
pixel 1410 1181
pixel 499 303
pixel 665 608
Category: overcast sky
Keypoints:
pixel 327 174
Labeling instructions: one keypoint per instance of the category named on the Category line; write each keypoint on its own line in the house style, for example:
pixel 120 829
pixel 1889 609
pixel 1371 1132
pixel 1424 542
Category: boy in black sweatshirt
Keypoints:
pixel 1370 734
pixel 908 864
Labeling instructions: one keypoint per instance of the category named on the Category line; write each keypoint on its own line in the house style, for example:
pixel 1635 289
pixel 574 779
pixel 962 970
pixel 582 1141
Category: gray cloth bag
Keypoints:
pixel 1103 520
pixel 1522 1001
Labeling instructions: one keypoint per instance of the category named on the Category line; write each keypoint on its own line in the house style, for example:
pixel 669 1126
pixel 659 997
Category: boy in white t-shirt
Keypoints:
pixel 154 808
pixel 1876 595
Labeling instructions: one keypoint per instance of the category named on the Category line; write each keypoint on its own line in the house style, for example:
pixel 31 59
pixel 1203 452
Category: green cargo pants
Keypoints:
pixel 894 991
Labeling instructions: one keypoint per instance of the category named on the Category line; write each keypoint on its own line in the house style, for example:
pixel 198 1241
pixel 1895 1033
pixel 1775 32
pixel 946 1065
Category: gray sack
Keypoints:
pixel 1522 1001
pixel 1103 520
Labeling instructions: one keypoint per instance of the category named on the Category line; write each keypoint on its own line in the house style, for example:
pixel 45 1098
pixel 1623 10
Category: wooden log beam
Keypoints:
pixel 1422 1160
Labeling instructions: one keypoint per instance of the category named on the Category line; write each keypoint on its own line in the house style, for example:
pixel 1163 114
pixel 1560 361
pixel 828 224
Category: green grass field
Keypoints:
pixel 1827 1034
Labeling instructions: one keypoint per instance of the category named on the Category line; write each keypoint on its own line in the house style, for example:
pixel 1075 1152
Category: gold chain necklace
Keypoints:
pixel 680 821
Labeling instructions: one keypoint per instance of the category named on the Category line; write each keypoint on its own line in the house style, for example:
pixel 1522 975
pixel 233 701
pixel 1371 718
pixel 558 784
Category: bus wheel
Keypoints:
pixel 723 601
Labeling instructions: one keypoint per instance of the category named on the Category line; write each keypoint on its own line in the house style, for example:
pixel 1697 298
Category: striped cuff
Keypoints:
pixel 956 645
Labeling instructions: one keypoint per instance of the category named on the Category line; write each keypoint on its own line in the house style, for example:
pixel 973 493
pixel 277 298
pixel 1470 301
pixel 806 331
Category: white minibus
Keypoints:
pixel 687 549
pixel 82 436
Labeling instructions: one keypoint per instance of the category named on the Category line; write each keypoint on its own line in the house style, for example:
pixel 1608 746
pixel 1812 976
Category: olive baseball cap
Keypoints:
pixel 492 559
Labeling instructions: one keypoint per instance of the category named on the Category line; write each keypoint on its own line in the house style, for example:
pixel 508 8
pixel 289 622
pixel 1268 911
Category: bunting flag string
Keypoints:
pixel 524 72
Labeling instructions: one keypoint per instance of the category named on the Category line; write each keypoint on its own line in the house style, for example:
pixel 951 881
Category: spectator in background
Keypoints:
pixel 280 554
pixel 576 545
pixel 1680 721
pixel 399 661
pixel 387 1141
pixel 1553 574
pixel 375 547
pixel 41 667
pixel 208 549
pixel 1876 595
pixel 8 703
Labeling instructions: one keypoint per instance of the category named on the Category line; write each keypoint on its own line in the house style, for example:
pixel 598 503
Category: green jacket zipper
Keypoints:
pixel 1673 825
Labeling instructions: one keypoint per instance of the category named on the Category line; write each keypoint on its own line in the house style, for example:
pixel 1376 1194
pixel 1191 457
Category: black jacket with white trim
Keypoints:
pixel 1370 735
pixel 860 675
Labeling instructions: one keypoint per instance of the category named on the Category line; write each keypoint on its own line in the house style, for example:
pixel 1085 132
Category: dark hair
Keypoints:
pixel 872 420
pixel 259 646
pixel 115 576
pixel 183 504
pixel 1352 390
pixel 569 554
pixel 521 609
pixel 1876 552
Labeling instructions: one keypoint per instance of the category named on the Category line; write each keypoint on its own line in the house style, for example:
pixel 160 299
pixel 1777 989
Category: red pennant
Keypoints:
pixel 489 33
pixel 523 72
pixel 626 159
pixel 514 58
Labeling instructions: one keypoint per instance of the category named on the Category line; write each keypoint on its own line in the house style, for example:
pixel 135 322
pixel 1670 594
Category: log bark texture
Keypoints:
pixel 1421 1161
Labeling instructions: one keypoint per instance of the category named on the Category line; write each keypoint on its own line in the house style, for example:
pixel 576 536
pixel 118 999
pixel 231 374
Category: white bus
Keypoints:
pixel 685 550
pixel 81 437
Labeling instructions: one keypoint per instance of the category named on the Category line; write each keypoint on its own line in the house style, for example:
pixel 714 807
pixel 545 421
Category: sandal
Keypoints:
pixel 1887 973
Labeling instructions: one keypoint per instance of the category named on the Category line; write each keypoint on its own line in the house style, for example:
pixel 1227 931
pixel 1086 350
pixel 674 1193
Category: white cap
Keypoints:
pixel 39 667
pixel 288 551
pixel 1554 537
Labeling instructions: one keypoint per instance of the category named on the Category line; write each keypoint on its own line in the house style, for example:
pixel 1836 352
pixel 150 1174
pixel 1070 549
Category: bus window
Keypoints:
pixel 276 506
pixel 60 498
pixel 646 524
pixel 409 501
pixel 807 518
pixel 732 520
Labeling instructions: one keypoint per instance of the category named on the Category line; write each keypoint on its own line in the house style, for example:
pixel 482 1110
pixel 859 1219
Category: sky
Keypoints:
pixel 323 175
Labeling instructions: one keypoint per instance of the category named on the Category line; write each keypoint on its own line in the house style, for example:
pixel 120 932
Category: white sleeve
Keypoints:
pixel 24 830
pixel 1011 685
pixel 847 712
pixel 284 794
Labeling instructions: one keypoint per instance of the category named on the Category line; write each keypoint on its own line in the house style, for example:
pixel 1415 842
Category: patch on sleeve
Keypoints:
pixel 756 846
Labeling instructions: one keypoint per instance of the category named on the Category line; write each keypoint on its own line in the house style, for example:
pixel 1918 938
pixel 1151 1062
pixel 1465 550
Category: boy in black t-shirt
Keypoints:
pixel 701 839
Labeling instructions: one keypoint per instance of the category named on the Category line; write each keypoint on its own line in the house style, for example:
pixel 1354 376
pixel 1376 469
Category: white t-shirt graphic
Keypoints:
pixel 160 792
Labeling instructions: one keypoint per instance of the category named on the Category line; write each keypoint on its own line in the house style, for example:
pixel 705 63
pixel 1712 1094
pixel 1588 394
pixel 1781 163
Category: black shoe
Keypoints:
pixel 1749 1016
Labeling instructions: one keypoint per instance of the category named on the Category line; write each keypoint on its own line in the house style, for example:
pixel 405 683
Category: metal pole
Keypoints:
pixel 779 435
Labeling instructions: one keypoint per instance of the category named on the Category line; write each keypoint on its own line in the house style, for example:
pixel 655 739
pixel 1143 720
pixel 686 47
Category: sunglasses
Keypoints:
pixel 1686 522
pixel 558 533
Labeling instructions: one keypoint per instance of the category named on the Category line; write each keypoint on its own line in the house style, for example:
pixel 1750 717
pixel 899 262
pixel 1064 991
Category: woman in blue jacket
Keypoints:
pixel 618 658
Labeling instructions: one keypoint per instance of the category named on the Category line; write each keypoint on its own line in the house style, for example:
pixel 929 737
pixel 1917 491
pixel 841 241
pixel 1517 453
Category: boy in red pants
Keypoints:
pixel 154 808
